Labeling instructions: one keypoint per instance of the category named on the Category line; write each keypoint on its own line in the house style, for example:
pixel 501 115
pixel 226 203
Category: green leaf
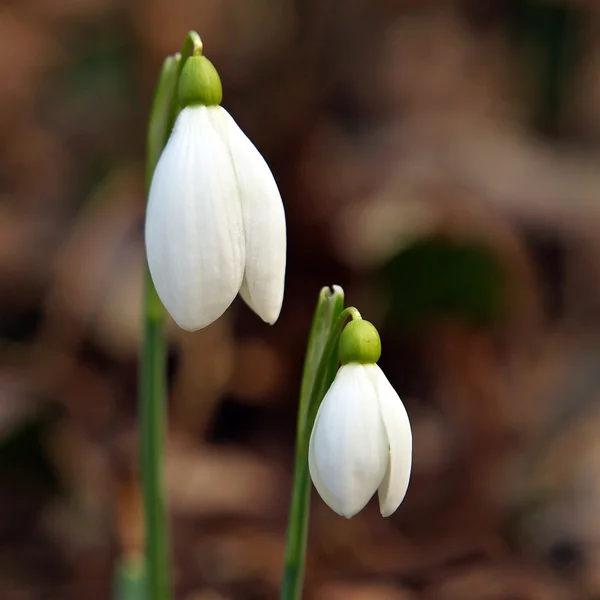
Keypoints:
pixel 159 127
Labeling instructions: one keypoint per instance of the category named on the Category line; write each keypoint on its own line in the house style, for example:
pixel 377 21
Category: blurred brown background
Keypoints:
pixel 440 160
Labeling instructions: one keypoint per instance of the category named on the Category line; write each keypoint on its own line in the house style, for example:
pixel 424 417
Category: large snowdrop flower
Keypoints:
pixel 361 441
pixel 215 223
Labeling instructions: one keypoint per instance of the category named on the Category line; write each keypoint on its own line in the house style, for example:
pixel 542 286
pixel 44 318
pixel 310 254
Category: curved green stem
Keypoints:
pixel 320 367
pixel 192 46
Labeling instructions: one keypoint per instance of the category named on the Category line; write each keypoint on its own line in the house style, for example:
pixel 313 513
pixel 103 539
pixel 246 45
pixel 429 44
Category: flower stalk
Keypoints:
pixel 320 366
pixel 152 384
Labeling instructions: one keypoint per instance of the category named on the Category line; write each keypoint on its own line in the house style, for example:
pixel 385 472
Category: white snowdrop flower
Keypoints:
pixel 361 441
pixel 215 223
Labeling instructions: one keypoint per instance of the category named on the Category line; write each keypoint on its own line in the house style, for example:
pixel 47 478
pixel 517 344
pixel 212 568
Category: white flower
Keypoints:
pixel 215 223
pixel 361 442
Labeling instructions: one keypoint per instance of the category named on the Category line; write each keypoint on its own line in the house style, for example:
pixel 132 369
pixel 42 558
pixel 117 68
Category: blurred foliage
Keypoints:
pixel 130 579
pixel 440 279
pixel 23 455
pixel 547 38
pixel 95 93
pixel 101 66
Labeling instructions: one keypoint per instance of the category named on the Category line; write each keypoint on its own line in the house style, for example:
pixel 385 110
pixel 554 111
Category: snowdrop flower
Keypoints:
pixel 361 441
pixel 215 223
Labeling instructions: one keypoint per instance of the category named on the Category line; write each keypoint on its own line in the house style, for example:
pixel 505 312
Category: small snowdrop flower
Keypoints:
pixel 215 224
pixel 361 441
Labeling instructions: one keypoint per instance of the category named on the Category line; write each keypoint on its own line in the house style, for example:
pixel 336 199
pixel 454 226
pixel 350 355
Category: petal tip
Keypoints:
pixel 190 326
pixel 387 511
pixel 267 309
pixel 270 316
pixel 344 510
pixel 272 319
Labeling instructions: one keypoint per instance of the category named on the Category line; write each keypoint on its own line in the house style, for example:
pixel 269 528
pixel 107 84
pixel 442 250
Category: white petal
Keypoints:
pixel 194 227
pixel 348 452
pixel 264 223
pixel 395 420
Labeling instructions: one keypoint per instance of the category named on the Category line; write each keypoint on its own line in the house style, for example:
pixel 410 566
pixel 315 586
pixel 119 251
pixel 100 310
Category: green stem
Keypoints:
pixel 153 386
pixel 320 367
pixel 153 421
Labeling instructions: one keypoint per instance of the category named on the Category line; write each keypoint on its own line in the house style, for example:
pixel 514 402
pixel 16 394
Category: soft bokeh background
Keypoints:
pixel 439 159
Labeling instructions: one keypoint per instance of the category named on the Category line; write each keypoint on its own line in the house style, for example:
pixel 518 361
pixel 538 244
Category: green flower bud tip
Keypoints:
pixel 199 83
pixel 360 343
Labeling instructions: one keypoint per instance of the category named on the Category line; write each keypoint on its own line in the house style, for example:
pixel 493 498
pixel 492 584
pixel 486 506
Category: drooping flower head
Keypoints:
pixel 361 441
pixel 215 224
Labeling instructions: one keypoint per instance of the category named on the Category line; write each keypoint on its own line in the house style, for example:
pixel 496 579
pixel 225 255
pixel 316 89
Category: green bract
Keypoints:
pixel 360 343
pixel 199 83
